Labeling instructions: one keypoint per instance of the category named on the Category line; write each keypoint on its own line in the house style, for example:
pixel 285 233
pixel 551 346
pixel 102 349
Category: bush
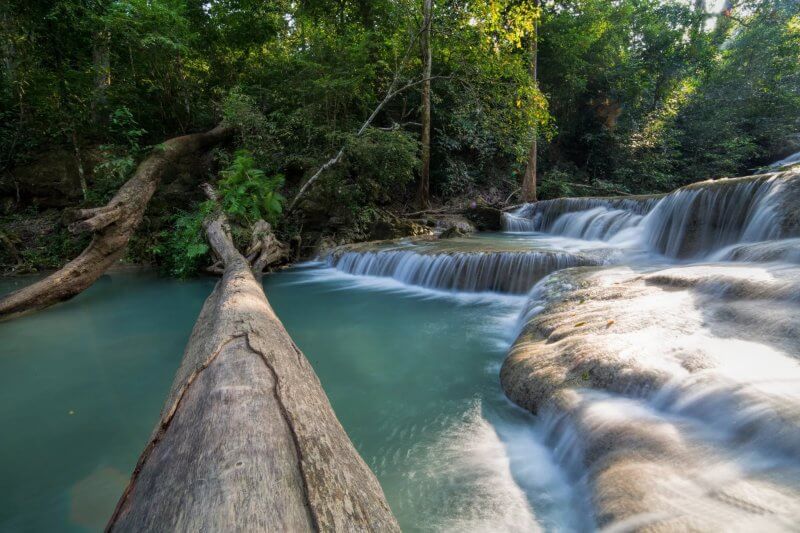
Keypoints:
pixel 246 194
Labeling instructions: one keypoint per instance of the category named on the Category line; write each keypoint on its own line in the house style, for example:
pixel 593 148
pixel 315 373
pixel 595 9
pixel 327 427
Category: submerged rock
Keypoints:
pixel 453 231
pixel 385 229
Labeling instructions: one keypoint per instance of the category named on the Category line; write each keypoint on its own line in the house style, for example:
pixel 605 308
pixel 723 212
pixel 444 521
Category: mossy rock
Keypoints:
pixel 386 229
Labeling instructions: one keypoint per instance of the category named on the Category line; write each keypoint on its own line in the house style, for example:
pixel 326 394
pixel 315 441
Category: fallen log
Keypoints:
pixel 247 439
pixel 112 225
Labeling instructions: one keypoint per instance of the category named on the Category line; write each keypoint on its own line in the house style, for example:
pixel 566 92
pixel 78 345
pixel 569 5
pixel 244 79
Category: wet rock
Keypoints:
pixel 485 218
pixel 389 228
pixel 637 370
pixel 453 231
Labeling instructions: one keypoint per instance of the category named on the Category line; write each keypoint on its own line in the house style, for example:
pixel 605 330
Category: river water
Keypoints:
pixel 411 374
pixel 408 340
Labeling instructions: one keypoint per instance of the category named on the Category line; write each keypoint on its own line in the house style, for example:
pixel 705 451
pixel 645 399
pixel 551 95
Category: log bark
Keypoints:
pixel 265 249
pixel 113 225
pixel 247 439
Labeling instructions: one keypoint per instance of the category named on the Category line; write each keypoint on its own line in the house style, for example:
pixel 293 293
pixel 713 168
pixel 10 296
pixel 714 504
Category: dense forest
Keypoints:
pixel 376 108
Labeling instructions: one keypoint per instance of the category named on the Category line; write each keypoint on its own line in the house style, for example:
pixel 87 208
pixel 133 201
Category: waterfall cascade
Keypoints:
pixel 666 391
pixel 506 272
pixel 543 216
pixel 690 222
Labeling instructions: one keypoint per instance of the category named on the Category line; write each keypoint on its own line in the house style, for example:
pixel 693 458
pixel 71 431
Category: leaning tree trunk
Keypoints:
pixel 247 439
pixel 112 225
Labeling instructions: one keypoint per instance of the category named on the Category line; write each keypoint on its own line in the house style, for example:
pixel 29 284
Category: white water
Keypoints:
pixel 696 423
pixel 688 223
pixel 790 160
pixel 506 272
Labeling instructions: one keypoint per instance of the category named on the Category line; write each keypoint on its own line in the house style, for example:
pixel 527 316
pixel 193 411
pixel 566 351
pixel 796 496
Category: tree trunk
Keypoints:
pixel 112 225
pixel 423 194
pixel 76 151
pixel 529 179
pixel 101 62
pixel 247 439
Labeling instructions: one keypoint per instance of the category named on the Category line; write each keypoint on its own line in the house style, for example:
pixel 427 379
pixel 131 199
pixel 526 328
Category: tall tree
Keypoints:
pixel 423 194
pixel 529 179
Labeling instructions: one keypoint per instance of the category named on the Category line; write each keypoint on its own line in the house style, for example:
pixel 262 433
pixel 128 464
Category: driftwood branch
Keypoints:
pixel 265 249
pixel 450 210
pixel 113 225
pixel 247 439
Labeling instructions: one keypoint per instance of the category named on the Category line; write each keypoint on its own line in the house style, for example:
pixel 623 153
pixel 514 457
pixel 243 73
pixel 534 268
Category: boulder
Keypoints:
pixel 51 180
pixel 485 218
pixel 386 229
pixel 453 231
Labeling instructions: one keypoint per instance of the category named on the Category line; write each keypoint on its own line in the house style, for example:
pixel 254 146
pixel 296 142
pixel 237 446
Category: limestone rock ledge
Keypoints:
pixel 677 389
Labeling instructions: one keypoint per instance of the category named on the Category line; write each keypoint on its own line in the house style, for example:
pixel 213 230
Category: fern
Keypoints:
pixel 248 193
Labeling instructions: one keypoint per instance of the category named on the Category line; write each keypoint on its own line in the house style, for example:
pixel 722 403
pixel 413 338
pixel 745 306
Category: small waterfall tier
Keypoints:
pixel 692 222
pixel 672 396
pixel 552 216
pixel 453 269
pixel 704 217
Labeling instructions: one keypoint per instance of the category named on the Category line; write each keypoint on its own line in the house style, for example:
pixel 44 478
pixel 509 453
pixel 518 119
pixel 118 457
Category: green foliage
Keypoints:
pixel 126 129
pixel 247 194
pixel 183 249
pixel 632 95
pixel 119 158
pixel 376 169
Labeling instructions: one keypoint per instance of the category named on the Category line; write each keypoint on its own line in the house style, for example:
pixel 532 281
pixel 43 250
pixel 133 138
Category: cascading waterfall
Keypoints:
pixel 690 222
pixel 665 391
pixel 785 162
pixel 543 216
pixel 506 272
pixel 697 220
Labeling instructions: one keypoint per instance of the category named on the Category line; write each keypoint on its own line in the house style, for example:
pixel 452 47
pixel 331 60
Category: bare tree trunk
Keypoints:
pixel 423 193
pixel 76 150
pixel 247 439
pixel 529 179
pixel 101 61
pixel 112 225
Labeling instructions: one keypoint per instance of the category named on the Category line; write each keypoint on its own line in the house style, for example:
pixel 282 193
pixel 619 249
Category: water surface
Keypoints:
pixel 412 375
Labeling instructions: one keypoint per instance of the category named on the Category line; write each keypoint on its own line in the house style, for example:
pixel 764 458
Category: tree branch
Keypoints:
pixel 338 157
